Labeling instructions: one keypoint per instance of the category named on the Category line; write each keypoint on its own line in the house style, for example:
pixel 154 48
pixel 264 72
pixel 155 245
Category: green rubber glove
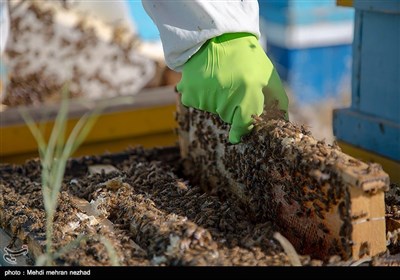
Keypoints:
pixel 228 76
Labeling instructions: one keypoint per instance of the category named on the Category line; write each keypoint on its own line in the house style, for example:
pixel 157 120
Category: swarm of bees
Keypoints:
pixel 393 217
pixel 281 173
pixel 158 217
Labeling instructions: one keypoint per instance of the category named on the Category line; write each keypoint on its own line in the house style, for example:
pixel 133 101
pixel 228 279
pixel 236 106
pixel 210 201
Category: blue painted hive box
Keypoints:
pixel 373 120
pixel 309 42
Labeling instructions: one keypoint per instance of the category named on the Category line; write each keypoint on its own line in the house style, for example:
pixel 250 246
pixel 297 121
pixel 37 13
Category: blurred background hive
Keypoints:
pixel 370 128
pixel 309 42
pixel 99 56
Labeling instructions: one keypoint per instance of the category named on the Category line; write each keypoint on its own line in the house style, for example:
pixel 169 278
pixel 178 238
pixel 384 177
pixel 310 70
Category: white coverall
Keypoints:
pixel 186 25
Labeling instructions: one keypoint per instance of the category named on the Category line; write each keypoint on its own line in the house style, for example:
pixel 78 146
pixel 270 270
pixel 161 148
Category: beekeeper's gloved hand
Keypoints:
pixel 227 76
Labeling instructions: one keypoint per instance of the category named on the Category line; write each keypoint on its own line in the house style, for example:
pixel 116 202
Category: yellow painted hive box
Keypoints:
pixel 147 119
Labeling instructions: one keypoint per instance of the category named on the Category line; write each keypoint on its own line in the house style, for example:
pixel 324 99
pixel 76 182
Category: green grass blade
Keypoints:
pixel 75 139
pixel 112 254
pixel 36 132
pixel 58 128
pixel 70 246
pixel 42 260
pixel 54 156
pixel 87 125
pixel 39 138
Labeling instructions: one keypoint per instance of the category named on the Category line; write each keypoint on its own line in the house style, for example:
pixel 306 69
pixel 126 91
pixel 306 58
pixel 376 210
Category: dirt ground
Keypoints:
pixel 147 210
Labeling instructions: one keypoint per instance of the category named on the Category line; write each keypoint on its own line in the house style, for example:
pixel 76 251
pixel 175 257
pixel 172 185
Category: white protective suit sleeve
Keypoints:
pixel 185 26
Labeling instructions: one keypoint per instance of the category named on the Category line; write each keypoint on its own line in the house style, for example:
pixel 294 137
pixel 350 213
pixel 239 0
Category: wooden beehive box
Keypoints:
pixel 324 201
